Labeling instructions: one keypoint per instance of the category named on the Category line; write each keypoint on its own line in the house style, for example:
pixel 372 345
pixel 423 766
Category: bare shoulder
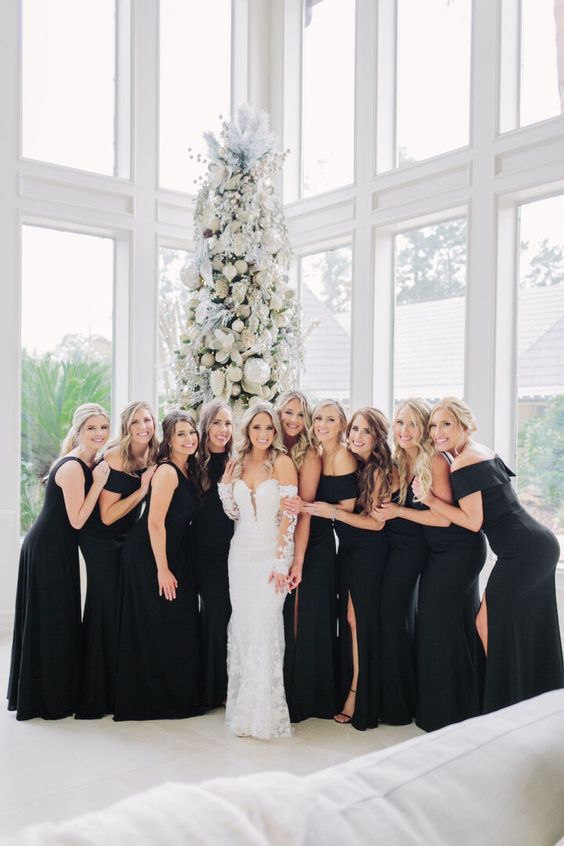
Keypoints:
pixel 68 471
pixel 285 470
pixel 312 458
pixel 473 454
pixel 113 458
pixel 166 475
pixel 344 462
pixel 439 466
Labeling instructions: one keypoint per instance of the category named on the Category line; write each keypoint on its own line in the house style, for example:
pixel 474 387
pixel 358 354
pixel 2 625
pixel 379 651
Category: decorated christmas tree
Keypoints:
pixel 242 340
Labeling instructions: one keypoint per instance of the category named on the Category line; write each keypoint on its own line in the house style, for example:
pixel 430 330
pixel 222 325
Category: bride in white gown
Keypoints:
pixel 260 556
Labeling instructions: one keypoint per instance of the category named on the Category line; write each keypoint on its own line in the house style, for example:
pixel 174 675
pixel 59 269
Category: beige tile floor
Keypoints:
pixel 58 770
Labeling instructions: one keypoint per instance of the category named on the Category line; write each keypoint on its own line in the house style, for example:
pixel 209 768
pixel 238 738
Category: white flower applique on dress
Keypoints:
pixel 263 543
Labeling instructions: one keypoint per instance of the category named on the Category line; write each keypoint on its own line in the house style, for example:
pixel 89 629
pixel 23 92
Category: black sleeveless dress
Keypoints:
pixel 361 560
pixel 398 601
pixel 524 647
pixel 213 530
pixel 310 618
pixel 45 667
pixel 158 653
pixel 449 652
pixel 101 547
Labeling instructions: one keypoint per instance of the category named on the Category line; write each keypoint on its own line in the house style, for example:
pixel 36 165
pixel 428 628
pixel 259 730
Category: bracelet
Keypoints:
pixel 334 515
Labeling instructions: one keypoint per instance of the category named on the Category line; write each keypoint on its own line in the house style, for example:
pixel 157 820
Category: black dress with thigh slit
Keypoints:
pixel 524 647
pixel 101 548
pixel 310 617
pixel 449 653
pixel 407 557
pixel 45 666
pixel 213 530
pixel 158 672
pixel 361 560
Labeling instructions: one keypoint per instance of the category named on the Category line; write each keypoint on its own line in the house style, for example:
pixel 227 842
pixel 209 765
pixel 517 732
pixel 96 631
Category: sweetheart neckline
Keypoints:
pixel 254 490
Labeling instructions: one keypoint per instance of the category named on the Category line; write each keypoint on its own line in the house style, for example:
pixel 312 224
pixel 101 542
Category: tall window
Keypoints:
pixel 67 302
pixel 540 375
pixel 542 60
pixel 328 95
pixel 326 293
pixel 430 298
pixel 433 82
pixel 68 82
pixel 195 63
pixel 173 308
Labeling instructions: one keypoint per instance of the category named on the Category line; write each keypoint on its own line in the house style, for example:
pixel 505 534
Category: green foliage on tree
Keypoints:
pixel 541 453
pixel 431 263
pixel 546 266
pixel 335 270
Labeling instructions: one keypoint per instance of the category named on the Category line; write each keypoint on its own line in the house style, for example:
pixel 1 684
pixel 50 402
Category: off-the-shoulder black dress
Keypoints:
pixel 398 601
pixel 361 559
pixel 158 672
pixel 524 648
pixel 101 547
pixel 45 668
pixel 310 616
pixel 213 530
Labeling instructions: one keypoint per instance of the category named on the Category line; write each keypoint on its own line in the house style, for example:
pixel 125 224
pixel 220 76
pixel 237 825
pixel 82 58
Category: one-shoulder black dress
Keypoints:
pixel 310 617
pixel 398 601
pixel 361 560
pixel 449 653
pixel 158 670
pixel 524 648
pixel 45 667
pixel 213 530
pixel 101 547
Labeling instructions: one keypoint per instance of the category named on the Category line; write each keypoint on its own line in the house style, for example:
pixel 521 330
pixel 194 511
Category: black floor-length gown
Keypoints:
pixel 158 673
pixel 449 653
pixel 524 647
pixel 101 547
pixel 408 553
pixel 213 530
pixel 361 560
pixel 45 666
pixel 310 617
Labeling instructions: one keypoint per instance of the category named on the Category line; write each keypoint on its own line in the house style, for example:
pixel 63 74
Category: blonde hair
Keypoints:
pixel 341 414
pixel 244 446
pixel 122 445
pixel 83 413
pixel 208 413
pixel 459 410
pixel 303 443
pixel 379 462
pixel 421 411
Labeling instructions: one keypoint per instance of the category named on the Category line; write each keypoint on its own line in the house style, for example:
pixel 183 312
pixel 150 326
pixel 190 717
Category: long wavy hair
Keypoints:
pixel 244 446
pixel 303 442
pixel 83 413
pixel 122 444
pixel 208 413
pixel 178 415
pixel 341 414
pixel 378 464
pixel 460 411
pixel 421 467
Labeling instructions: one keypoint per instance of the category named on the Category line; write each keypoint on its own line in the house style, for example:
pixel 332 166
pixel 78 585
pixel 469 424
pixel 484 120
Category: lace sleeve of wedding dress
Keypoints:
pixel 227 500
pixel 286 527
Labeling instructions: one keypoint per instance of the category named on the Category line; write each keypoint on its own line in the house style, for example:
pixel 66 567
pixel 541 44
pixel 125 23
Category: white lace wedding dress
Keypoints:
pixel 263 541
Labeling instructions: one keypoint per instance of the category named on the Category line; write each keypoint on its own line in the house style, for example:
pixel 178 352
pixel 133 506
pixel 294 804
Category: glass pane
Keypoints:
pixel 326 296
pixel 430 293
pixel 433 88
pixel 328 95
pixel 173 307
pixel 195 69
pixel 540 376
pixel 68 82
pixel 67 301
pixel 542 60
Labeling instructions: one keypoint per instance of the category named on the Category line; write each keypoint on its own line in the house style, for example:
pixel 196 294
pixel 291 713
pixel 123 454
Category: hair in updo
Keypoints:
pixel 374 474
pixel 304 442
pixel 178 415
pixel 459 410
pixel 83 413
pixel 341 414
pixel 244 446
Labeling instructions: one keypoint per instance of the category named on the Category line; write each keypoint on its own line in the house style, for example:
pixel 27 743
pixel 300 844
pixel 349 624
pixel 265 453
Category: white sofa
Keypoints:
pixel 496 780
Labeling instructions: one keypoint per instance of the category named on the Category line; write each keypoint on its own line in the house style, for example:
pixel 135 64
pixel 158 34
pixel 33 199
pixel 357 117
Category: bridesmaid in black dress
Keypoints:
pixel 213 530
pixel 132 463
pixel 45 667
pixel 518 624
pixel 361 559
pixel 407 557
pixel 448 651
pixel 158 655
pixel 311 636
